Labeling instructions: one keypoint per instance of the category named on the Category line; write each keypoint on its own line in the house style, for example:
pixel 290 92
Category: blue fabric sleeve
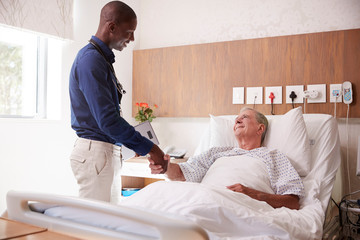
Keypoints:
pixel 96 89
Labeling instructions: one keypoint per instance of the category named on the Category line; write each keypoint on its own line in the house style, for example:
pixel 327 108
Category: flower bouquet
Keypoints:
pixel 145 113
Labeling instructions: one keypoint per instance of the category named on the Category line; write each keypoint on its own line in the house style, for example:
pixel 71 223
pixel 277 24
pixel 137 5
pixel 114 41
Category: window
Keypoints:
pixel 26 84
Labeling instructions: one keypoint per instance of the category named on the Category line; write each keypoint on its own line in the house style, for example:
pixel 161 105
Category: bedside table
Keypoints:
pixel 11 229
pixel 135 172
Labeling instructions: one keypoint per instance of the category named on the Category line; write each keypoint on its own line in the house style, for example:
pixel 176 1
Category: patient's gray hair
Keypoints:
pixel 260 118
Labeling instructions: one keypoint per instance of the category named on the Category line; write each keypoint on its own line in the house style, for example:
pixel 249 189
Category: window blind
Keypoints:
pixel 53 17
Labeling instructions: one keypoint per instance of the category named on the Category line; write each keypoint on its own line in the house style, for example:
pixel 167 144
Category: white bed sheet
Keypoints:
pixel 229 215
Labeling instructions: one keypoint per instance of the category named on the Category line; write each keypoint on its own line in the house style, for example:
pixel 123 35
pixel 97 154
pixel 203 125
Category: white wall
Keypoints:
pixel 34 154
pixel 172 23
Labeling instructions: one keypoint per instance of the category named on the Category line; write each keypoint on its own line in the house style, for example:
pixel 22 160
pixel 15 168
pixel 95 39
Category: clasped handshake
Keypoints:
pixel 159 167
pixel 160 163
pixel 158 160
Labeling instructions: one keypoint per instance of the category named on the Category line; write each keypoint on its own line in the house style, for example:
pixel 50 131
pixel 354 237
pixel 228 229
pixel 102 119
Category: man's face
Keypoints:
pixel 246 124
pixel 123 34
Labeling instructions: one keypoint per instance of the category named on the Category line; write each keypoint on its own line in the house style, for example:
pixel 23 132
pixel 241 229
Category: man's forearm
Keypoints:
pixel 277 201
pixel 174 172
pixel 274 200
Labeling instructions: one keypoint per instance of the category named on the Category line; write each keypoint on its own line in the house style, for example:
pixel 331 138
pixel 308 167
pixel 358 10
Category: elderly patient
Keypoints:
pixel 249 129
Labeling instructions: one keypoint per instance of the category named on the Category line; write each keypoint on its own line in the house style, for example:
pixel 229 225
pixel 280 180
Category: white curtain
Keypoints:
pixel 53 17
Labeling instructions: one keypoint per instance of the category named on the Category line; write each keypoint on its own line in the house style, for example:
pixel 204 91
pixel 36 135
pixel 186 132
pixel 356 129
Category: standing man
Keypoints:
pixel 95 95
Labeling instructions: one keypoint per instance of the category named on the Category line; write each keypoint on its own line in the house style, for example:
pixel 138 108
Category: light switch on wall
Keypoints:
pixel 238 95
pixel 254 95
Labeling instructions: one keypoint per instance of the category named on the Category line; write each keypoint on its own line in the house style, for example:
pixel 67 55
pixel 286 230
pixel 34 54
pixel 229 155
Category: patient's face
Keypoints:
pixel 246 124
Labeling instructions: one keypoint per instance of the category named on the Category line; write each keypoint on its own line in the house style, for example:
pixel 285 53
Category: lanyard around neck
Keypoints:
pixel 117 84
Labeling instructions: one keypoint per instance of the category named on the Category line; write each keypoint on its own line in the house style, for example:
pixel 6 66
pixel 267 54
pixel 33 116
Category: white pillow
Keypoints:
pixel 221 131
pixel 286 133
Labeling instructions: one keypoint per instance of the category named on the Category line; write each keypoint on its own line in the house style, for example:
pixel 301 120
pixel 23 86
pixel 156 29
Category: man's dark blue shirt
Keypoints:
pixel 95 110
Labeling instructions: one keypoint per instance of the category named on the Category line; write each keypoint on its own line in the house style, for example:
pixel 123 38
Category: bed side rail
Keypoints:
pixel 169 228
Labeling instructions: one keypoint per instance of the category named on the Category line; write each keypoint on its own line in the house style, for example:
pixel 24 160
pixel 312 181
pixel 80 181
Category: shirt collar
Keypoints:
pixel 237 149
pixel 109 54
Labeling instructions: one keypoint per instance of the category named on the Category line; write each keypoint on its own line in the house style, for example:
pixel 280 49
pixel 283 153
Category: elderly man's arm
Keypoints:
pixel 275 200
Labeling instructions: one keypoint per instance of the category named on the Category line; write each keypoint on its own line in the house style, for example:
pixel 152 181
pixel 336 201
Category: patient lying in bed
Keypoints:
pixel 281 185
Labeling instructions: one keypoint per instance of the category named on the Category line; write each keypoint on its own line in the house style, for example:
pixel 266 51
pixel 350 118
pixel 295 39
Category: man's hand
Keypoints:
pixel 157 168
pixel 275 200
pixel 157 156
pixel 242 189
pixel 173 170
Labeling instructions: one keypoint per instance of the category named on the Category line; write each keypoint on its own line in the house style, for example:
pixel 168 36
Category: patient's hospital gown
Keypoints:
pixel 283 177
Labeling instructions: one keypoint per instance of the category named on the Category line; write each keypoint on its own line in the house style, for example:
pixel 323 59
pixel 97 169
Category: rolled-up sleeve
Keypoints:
pixel 283 176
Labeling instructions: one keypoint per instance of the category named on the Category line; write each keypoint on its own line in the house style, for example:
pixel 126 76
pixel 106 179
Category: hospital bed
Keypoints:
pixel 182 210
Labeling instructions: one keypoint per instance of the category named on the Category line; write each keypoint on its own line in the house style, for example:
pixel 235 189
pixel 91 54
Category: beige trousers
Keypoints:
pixel 96 166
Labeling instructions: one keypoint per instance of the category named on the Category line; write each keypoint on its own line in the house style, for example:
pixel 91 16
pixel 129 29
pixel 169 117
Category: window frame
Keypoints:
pixel 41 78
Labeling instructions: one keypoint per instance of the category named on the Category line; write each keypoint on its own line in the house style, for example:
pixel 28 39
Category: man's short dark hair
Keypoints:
pixel 118 12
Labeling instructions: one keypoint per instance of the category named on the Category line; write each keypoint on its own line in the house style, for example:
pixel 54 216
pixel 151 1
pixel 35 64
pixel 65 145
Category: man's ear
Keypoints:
pixel 261 129
pixel 111 27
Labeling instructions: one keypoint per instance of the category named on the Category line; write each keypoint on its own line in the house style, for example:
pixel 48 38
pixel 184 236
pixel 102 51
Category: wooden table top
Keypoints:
pixel 10 229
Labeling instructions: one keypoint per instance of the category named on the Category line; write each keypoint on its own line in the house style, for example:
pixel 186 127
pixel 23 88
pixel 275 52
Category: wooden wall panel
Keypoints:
pixel 195 80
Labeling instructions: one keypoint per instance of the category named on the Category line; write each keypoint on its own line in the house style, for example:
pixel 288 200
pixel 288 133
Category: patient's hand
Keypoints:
pixel 242 189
